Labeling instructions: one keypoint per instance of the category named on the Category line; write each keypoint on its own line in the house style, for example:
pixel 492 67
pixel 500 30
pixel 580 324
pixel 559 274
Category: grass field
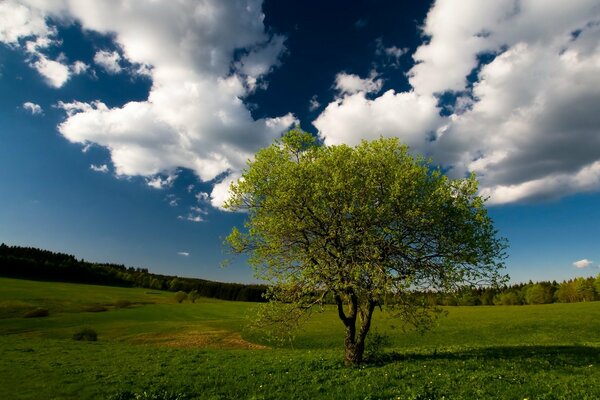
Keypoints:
pixel 154 348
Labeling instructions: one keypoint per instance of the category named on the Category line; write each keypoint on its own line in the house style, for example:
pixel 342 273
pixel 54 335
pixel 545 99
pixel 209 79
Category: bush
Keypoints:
pixel 37 313
pixel 95 308
pixel 180 296
pixel 86 334
pixel 123 303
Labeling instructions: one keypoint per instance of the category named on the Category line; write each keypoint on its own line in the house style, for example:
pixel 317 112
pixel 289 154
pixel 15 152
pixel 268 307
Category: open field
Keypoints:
pixel 204 350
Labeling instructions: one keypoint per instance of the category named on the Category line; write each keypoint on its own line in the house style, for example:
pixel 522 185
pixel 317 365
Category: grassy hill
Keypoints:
pixel 147 343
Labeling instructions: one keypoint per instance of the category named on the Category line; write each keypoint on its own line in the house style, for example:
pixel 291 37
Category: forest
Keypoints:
pixel 45 265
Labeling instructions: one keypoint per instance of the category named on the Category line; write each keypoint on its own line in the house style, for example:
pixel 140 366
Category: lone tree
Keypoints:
pixel 366 227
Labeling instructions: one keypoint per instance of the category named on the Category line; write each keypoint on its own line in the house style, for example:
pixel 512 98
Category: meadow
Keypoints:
pixel 150 347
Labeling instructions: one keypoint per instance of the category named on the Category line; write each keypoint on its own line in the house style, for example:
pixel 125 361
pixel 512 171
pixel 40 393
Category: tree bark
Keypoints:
pixel 355 343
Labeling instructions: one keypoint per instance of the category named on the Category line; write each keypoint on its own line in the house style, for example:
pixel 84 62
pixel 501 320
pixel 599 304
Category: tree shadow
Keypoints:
pixel 574 355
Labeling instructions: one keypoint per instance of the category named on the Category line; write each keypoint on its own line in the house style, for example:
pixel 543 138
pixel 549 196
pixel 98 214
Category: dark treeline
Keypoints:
pixel 36 264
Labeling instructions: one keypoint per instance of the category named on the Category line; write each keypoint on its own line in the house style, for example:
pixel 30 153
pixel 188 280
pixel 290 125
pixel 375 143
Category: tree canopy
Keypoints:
pixel 365 226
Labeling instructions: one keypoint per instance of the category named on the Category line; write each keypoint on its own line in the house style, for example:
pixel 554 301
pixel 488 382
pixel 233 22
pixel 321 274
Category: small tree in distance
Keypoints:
pixel 193 296
pixel 366 226
pixel 180 296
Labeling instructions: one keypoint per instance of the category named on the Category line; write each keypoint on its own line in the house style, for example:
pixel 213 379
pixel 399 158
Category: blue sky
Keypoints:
pixel 123 123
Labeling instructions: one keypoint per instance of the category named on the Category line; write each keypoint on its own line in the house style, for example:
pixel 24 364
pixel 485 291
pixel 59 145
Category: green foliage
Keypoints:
pixel 365 225
pixel 180 296
pixel 538 294
pixel 38 312
pixel 193 296
pixel 507 299
pixel 87 334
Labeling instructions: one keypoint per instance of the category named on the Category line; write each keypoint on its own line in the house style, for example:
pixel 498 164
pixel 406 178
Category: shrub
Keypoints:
pixel 122 303
pixel 180 296
pixel 95 308
pixel 37 313
pixel 86 334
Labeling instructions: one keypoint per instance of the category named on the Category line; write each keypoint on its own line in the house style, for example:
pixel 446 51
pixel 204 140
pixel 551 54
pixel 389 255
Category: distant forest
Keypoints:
pixel 36 264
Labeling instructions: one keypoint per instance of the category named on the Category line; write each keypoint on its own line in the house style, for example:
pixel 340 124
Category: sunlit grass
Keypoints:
pixel 205 350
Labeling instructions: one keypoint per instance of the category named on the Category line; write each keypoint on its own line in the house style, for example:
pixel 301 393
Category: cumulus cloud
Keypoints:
pixel 351 83
pixel 524 79
pixel 203 58
pixel 18 22
pixel 79 67
pixel 109 61
pixel 403 114
pixel 582 263
pixel 34 109
pixel 99 168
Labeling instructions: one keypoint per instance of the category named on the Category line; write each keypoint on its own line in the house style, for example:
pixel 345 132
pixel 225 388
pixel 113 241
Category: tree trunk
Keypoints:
pixel 355 344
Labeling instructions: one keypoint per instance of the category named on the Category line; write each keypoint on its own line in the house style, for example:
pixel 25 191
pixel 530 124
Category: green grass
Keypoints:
pixel 204 350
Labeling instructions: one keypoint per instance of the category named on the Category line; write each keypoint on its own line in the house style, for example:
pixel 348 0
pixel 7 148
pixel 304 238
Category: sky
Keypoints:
pixel 122 123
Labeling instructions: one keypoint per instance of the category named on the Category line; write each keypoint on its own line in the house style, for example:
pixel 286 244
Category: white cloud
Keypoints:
pixel 313 103
pixel 202 196
pixel 196 214
pixel 19 21
pixel 34 109
pixel 351 83
pixel 55 73
pixel 99 168
pixel 582 263
pixel 109 61
pixel 392 53
pixel 183 253
pixel 406 115
pixel 158 182
pixel 79 67
pixel 203 58
pixel 528 123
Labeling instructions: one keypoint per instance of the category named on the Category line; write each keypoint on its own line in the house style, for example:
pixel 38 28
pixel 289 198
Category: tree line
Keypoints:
pixel 37 264
pixel 570 291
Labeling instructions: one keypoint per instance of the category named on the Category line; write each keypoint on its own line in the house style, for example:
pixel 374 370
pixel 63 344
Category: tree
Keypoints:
pixel 180 296
pixel 365 226
pixel 193 296
pixel 538 294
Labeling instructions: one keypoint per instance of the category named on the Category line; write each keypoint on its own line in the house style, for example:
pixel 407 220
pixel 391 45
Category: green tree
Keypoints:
pixel 193 296
pixel 366 225
pixel 538 294
pixel 180 296
pixel 585 289
pixel 567 292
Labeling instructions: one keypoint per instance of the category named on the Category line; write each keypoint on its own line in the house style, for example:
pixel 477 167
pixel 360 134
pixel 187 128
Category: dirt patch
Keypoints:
pixel 215 339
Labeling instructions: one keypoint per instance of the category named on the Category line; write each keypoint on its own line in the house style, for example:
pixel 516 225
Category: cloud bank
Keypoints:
pixel 523 76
